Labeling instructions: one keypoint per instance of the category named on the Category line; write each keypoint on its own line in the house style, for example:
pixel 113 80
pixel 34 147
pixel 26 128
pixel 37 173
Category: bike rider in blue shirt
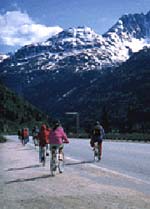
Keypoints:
pixel 98 134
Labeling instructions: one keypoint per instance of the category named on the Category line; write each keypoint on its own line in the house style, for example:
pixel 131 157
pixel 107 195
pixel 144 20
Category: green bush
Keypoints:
pixel 2 139
pixel 129 136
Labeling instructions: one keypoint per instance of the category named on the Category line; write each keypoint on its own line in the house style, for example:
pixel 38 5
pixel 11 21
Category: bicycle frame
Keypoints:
pixel 56 161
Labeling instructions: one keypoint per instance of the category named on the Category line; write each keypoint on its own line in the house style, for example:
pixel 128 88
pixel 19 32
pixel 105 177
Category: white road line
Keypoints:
pixel 112 171
pixel 99 167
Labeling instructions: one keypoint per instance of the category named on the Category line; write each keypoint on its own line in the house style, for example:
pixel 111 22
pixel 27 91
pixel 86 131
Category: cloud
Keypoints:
pixel 18 29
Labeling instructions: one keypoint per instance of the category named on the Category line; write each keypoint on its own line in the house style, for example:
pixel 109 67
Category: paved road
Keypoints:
pixel 128 161
pixel 132 159
pixel 25 183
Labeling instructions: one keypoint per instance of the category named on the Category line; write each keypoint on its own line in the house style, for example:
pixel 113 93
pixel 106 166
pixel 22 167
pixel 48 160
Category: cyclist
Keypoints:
pixel 35 132
pixel 25 136
pixel 47 140
pixel 42 136
pixel 57 137
pixel 98 134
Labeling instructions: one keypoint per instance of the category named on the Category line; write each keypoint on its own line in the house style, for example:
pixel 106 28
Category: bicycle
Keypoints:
pixel 35 141
pixel 96 149
pixel 56 161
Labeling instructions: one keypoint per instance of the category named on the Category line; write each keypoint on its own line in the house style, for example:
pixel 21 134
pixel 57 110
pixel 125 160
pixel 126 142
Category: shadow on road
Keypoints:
pixel 25 149
pixel 81 162
pixel 28 179
pixel 18 148
pixel 23 168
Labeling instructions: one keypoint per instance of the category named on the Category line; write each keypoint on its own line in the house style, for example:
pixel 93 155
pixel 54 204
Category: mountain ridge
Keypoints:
pixel 77 61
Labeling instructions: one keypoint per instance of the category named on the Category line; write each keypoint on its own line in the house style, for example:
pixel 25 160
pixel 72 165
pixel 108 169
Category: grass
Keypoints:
pixel 137 137
pixel 129 136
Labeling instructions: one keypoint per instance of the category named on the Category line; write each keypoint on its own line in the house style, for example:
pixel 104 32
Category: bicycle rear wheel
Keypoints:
pixel 97 153
pixel 53 162
pixel 61 163
pixel 52 167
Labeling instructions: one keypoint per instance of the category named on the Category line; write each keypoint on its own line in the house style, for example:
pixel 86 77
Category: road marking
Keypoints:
pixel 111 171
pixel 91 165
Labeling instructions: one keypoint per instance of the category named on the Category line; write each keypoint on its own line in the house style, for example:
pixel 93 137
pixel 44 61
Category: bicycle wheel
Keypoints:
pixel 95 154
pixel 53 163
pixel 61 163
pixel 52 167
pixel 98 156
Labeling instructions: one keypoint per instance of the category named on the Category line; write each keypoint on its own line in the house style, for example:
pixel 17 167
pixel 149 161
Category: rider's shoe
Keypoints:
pixel 61 170
pixel 99 158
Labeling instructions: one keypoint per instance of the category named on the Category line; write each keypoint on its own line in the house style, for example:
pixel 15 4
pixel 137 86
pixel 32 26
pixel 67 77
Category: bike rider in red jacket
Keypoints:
pixel 42 137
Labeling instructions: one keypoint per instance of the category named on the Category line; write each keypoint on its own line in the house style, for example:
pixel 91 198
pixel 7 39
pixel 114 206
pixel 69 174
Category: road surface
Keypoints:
pixel 113 183
pixel 131 160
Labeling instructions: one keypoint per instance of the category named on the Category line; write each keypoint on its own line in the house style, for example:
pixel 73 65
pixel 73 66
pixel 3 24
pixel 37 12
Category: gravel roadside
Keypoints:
pixel 25 184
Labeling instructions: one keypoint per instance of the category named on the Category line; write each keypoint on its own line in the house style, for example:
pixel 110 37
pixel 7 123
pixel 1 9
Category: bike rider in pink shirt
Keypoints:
pixel 57 137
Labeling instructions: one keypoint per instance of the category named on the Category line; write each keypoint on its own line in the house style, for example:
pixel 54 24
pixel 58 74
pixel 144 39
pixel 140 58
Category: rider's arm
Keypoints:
pixel 103 133
pixel 64 137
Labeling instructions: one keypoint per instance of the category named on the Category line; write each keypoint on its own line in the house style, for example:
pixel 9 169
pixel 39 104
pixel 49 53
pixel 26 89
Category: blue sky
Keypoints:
pixel 28 21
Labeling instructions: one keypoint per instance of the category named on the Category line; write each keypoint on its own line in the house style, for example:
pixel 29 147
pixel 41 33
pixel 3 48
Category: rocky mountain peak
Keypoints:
pixel 81 49
pixel 74 38
pixel 134 25
pixel 76 33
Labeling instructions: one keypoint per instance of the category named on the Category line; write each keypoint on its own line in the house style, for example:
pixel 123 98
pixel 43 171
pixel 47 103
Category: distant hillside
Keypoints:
pixel 120 95
pixel 16 112
pixel 103 78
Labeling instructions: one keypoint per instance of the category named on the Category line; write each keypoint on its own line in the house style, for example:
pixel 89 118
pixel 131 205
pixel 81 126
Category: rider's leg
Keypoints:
pixel 41 153
pixel 100 149
pixel 61 159
pixel 61 152
pixel 47 148
pixel 92 143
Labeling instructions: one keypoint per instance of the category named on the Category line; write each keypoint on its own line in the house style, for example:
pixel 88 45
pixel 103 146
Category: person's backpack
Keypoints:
pixel 97 131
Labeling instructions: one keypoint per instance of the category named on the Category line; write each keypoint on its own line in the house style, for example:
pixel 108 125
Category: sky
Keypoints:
pixel 24 22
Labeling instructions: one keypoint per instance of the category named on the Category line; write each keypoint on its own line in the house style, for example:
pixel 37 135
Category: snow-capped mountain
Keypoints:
pixel 68 62
pixel 82 49
pixel 131 32
pixel 3 56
